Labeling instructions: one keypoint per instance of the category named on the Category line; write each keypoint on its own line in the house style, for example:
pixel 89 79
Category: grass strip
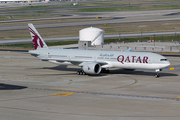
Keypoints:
pixel 30 45
pixel 106 41
pixel 130 8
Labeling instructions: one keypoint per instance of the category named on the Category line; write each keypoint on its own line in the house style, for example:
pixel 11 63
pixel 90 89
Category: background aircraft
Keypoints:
pixel 95 61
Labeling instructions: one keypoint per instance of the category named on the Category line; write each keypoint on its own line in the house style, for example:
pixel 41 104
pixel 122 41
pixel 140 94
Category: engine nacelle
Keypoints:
pixel 92 68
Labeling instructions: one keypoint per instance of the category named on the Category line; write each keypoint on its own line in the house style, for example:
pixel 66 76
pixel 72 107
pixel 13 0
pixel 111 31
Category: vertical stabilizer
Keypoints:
pixel 38 42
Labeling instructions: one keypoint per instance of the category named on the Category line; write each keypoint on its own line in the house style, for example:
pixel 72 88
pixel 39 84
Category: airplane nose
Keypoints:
pixel 165 64
pixel 168 63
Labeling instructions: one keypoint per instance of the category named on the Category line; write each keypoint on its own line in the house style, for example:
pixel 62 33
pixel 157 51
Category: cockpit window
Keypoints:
pixel 163 60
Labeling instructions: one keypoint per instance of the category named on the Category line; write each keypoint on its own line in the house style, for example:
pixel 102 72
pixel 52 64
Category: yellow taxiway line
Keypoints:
pixel 63 94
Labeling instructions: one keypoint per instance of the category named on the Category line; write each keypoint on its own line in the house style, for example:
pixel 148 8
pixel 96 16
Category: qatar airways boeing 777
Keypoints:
pixel 94 61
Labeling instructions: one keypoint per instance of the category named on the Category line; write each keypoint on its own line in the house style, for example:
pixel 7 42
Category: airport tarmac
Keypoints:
pixel 32 89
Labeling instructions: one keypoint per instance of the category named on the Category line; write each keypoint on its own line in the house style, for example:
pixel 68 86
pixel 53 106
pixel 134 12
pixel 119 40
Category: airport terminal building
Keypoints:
pixel 6 1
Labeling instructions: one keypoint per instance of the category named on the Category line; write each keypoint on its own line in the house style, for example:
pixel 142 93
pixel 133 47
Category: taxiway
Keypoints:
pixel 32 89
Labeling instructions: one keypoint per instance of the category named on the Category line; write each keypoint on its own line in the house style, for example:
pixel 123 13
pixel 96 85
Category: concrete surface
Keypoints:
pixel 27 85
pixel 112 18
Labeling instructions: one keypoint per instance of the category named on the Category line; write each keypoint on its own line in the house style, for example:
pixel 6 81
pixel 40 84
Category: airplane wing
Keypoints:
pixel 76 62
pixel 23 58
pixel 128 50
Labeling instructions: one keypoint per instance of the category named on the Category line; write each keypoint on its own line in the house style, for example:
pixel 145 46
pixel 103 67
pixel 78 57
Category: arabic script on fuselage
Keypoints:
pixel 106 55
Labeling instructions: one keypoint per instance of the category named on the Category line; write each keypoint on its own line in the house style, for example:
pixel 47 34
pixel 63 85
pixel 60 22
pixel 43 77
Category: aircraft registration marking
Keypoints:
pixel 63 94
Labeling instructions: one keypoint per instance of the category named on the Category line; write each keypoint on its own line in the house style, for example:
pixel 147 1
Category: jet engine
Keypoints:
pixel 92 68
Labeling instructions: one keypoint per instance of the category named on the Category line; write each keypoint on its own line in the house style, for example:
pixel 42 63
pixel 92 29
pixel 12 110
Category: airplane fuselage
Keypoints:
pixel 116 59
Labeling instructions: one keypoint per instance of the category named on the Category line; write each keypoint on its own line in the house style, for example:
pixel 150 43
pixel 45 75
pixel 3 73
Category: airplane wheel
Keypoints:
pixel 78 72
pixel 81 73
pixel 157 75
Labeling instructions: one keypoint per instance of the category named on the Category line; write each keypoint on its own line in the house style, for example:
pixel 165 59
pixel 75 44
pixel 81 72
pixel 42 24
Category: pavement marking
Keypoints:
pixel 134 97
pixel 63 94
pixel 135 81
pixel 178 97
pixel 129 85
pixel 172 68
pixel 104 94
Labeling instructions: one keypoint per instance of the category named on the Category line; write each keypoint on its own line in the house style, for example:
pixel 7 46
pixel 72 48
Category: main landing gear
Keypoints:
pixel 157 74
pixel 103 70
pixel 81 72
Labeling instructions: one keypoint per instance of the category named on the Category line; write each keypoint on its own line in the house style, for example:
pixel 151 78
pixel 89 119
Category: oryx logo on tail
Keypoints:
pixel 36 40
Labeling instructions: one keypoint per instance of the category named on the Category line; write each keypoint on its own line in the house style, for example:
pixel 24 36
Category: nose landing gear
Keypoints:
pixel 157 74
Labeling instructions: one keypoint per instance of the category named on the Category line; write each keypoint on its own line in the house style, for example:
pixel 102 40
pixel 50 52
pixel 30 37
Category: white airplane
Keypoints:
pixel 94 61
